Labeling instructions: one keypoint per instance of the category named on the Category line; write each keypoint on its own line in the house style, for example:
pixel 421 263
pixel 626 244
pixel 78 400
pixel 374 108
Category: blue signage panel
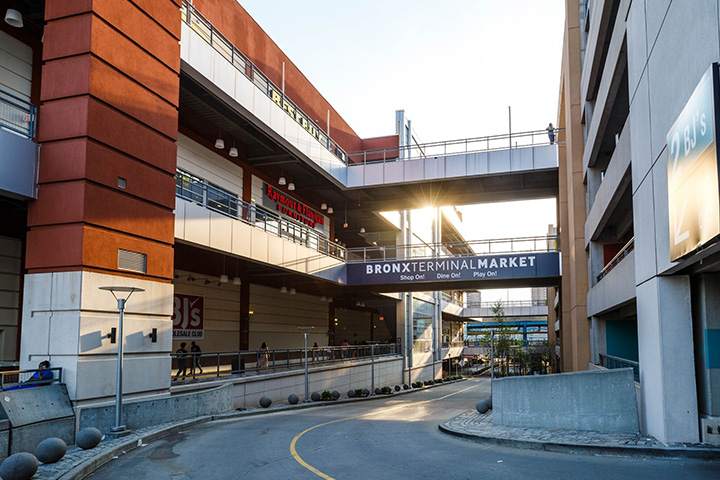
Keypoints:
pixel 450 269
pixel 692 170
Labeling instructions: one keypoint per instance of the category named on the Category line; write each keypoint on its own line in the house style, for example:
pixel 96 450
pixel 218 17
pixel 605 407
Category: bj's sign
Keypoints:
pixel 188 317
pixel 294 209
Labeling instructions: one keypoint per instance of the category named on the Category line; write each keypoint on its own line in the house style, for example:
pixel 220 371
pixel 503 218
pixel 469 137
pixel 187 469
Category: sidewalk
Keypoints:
pixel 478 427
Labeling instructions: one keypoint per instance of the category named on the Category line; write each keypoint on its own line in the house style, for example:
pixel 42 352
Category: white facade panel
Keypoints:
pixel 413 170
pixel 694 26
pixel 15 66
pixel 241 239
pixel 197 224
pixel 498 161
pixel 393 172
pixel 221 231
pixel 223 74
pixel 208 165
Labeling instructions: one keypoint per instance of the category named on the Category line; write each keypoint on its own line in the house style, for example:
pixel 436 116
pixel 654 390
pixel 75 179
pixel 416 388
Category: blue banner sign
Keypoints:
pixel 692 170
pixel 450 269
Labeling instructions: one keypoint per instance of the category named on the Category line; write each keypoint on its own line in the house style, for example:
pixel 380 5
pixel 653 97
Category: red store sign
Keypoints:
pixel 294 209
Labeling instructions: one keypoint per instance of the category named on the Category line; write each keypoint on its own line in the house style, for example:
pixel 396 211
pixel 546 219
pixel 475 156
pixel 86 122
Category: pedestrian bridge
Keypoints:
pixel 521 262
pixel 513 308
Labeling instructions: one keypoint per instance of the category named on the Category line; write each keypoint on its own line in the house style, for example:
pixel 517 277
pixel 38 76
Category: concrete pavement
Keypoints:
pixel 471 426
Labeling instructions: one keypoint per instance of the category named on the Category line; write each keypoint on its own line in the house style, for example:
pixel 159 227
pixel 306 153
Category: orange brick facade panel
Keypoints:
pixel 109 110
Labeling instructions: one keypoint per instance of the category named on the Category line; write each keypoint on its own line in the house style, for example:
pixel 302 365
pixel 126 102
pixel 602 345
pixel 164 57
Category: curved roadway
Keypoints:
pixel 393 437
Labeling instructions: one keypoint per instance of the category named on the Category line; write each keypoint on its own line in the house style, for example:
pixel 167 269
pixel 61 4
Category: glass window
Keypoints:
pixel 422 325
pixel 189 187
pixel 222 200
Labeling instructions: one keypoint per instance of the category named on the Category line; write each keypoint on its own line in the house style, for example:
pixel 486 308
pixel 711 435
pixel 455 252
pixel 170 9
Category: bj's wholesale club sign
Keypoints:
pixel 485 267
pixel 692 170
pixel 188 317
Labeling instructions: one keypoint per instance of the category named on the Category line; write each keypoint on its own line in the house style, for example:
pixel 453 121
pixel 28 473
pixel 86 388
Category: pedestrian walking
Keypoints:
pixel 181 361
pixel 195 350
pixel 315 351
pixel 262 361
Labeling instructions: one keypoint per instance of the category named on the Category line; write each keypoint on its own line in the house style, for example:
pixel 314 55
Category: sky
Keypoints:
pixel 454 66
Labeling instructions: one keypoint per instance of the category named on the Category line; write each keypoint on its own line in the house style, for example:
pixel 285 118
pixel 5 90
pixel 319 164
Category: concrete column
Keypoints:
pixel 108 125
pixel 67 319
pixel 665 346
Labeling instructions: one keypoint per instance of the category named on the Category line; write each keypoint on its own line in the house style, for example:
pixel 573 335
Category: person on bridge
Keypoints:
pixel 551 133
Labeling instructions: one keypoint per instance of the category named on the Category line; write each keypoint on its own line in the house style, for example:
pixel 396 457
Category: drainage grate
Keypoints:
pixel 134 261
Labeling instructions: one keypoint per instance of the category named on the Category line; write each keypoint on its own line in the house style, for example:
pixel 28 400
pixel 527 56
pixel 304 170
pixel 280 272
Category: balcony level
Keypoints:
pixel 615 285
pixel 207 217
pixel 18 151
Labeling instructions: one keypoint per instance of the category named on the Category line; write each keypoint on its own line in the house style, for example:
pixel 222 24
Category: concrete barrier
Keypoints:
pixel 36 414
pixel 602 401
pixel 169 408
pixel 4 439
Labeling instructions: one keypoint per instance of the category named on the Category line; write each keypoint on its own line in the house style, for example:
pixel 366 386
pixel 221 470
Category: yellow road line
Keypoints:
pixel 298 458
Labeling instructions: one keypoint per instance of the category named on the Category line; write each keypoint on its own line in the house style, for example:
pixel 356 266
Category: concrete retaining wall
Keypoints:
pixel 35 414
pixel 248 390
pixel 602 400
pixel 168 408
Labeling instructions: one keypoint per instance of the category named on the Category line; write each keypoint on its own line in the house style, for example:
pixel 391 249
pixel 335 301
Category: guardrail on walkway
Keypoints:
pixel 17 115
pixel 467 248
pixel 610 362
pixel 16 379
pixel 505 141
pixel 211 365
pixel 509 304
pixel 619 257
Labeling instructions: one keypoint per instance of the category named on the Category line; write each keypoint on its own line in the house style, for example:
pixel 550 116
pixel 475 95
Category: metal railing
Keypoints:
pixel 452 147
pixel 509 304
pixel 619 257
pixel 17 115
pixel 200 192
pixel 17 379
pixel 211 365
pixel 198 23
pixel 472 247
pixel 610 362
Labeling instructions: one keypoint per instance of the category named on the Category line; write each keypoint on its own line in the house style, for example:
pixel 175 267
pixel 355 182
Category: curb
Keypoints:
pixel 630 450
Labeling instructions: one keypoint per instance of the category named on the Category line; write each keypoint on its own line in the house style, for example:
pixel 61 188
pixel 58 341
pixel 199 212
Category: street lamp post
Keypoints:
pixel 118 429
pixel 306 331
pixel 372 370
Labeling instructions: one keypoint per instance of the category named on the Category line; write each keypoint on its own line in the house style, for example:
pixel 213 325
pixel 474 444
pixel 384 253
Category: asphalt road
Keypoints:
pixel 395 437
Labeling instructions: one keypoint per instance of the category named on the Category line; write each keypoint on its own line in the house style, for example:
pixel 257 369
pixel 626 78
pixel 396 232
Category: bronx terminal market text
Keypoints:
pixel 540 264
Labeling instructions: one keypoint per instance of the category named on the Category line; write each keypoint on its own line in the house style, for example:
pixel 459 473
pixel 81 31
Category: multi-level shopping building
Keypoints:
pixel 639 205
pixel 172 147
